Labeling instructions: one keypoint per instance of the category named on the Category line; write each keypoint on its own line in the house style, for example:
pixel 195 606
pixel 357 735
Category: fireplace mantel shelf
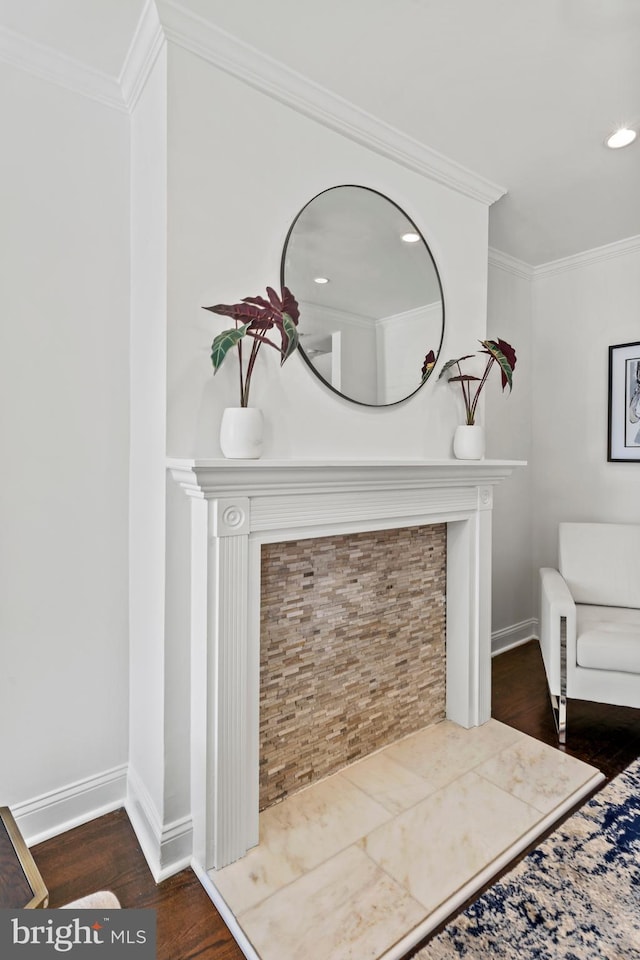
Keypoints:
pixel 247 478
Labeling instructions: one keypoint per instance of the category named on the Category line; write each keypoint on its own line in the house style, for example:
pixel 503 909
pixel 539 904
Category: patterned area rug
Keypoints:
pixel 576 896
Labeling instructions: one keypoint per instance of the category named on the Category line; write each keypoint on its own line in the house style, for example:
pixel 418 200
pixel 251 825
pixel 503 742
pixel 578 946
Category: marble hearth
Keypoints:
pixel 368 862
pixel 236 507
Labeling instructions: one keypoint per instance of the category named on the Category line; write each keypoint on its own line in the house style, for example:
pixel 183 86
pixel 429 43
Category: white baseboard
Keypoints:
pixel 60 810
pixel 513 636
pixel 167 849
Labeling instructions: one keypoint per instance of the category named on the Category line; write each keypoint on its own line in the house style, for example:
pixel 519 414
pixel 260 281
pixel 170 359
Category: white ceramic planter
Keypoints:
pixel 241 433
pixel 468 442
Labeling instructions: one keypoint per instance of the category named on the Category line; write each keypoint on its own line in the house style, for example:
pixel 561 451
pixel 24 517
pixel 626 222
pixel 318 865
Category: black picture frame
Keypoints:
pixel 623 442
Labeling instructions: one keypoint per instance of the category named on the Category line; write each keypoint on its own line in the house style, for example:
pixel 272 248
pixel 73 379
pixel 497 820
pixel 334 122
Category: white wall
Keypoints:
pixel 397 366
pixel 64 407
pixel 561 318
pixel 241 165
pixel 507 417
pixel 581 308
pixel 356 336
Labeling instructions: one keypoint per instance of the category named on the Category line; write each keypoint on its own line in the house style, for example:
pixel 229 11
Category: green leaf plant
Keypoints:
pixel 498 351
pixel 272 321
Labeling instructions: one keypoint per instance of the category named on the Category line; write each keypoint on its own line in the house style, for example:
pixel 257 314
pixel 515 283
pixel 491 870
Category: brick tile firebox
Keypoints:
pixel 352 649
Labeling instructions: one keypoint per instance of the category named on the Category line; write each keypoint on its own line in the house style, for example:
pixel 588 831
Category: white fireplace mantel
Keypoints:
pixel 237 506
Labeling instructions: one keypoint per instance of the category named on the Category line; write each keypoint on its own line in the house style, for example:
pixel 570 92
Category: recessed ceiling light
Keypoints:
pixel 621 138
pixel 321 279
pixel 410 237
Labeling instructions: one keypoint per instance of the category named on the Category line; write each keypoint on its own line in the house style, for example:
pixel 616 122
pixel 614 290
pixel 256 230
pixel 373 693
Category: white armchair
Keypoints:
pixel 590 617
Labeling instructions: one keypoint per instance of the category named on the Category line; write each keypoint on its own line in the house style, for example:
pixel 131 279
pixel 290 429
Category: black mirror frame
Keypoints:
pixel 307 360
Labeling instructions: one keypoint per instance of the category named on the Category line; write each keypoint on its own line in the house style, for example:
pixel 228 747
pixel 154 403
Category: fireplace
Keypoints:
pixel 237 507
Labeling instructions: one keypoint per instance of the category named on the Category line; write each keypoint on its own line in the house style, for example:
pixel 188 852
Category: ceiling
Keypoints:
pixel 522 92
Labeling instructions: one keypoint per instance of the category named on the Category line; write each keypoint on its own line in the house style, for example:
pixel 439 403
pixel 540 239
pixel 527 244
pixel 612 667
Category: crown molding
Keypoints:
pixel 55 67
pixel 609 251
pixel 269 76
pixel 147 43
pixel 342 316
pixel 120 92
pixel 504 261
pixel 424 312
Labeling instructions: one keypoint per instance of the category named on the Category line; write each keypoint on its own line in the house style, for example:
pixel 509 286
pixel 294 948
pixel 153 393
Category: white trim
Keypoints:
pixel 423 312
pixel 333 314
pixel 216 478
pixel 147 43
pixel 504 261
pixel 176 847
pixel 145 820
pixel 514 636
pixel 55 67
pixel 609 251
pixel 120 92
pixel 269 76
pixel 60 810
pixel 167 849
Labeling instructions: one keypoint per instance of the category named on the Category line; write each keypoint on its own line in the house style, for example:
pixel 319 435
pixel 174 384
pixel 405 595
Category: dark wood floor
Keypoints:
pixel 104 854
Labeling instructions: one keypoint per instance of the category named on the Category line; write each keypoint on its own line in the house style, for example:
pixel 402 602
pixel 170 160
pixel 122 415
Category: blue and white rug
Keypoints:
pixel 575 897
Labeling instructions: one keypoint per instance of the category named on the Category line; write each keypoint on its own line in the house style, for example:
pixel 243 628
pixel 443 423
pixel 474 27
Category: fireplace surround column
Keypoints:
pixel 238 506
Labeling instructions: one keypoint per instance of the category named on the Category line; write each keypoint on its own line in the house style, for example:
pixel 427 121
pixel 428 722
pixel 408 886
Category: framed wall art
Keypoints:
pixel 624 402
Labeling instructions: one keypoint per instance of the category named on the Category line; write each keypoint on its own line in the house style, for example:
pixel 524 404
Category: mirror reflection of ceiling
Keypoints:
pixel 366 330
pixel 351 226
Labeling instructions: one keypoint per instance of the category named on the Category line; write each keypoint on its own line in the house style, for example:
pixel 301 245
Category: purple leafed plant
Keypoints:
pixel 428 365
pixel 498 351
pixel 273 321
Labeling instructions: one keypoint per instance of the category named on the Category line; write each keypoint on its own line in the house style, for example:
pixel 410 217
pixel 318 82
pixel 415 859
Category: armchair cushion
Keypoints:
pixel 608 638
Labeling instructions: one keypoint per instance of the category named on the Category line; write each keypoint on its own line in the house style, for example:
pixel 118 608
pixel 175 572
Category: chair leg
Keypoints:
pixel 560 710
pixel 562 720
pixel 562 704
pixel 559 707
pixel 559 703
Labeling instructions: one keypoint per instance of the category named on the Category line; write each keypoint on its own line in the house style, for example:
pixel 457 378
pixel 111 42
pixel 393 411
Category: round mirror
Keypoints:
pixel 371 304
